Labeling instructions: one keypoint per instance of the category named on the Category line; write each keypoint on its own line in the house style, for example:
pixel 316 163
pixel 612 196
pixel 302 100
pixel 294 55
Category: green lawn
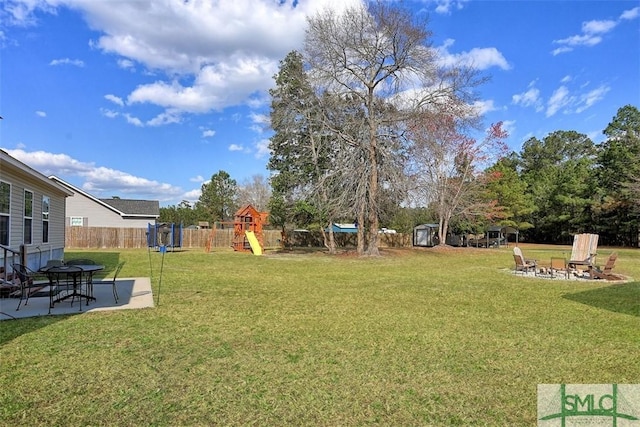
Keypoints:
pixel 418 337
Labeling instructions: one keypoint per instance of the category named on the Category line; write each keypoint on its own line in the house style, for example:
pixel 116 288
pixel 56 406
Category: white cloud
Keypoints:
pixel 198 179
pixel 580 40
pixel 165 118
pixel 509 126
pixel 104 180
pixel 483 107
pixel 41 114
pixel 558 100
pixel 261 122
pixel 630 14
pixel 192 196
pixel 597 27
pixel 236 147
pixel 560 50
pixel 445 6
pixel 562 98
pixel 214 88
pixel 97 180
pixel 21 13
pixel 480 58
pixel 262 119
pixel 133 120
pixel 262 149
pixel 530 98
pixel 115 99
pixel 592 31
pixel 208 133
pixel 226 58
pixel 67 61
pixel 109 113
pixel 125 64
pixel 590 98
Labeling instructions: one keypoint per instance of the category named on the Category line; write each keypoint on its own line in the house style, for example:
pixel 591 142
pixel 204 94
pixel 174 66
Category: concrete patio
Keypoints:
pixel 133 293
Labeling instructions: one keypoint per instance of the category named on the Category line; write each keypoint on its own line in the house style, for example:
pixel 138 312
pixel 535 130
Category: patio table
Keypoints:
pixel 74 274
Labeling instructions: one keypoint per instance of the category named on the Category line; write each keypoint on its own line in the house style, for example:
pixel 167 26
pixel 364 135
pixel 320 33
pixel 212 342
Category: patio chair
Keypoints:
pixel 28 285
pixel 113 281
pixel 114 285
pixel 584 250
pixel 605 273
pixel 518 251
pixel 54 263
pixel 522 264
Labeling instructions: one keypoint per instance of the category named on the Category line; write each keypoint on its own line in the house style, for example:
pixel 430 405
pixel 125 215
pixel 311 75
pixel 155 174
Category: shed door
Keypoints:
pixel 423 237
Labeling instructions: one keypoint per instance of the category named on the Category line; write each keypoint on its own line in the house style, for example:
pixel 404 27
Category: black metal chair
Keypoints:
pixel 28 285
pixel 114 285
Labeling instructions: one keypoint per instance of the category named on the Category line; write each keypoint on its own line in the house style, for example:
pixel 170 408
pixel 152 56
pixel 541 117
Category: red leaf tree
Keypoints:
pixel 447 168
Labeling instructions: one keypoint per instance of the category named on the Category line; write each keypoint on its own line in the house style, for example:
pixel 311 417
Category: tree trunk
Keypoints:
pixel 283 238
pixel 372 248
pixel 360 229
pixel 329 239
pixel 442 231
pixel 332 241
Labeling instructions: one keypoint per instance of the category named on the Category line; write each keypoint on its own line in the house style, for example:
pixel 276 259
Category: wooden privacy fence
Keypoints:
pixel 131 238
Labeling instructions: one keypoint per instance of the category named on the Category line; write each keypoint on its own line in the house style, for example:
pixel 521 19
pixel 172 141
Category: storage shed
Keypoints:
pixel 425 235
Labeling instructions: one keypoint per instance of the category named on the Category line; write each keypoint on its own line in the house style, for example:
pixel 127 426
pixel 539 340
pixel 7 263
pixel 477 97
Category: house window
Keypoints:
pixel 46 203
pixel 5 212
pixel 28 217
pixel 76 221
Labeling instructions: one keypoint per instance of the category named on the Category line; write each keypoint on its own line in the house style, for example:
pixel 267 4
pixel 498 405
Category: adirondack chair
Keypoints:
pixel 522 264
pixel 605 273
pixel 584 250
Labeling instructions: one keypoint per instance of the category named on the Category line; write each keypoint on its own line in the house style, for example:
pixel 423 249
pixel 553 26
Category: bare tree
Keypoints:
pixel 255 192
pixel 379 58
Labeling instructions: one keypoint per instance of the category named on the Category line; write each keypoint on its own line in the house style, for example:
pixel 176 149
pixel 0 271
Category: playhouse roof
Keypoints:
pixel 247 210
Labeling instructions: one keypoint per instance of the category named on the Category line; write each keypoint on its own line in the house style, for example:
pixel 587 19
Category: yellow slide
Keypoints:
pixel 253 241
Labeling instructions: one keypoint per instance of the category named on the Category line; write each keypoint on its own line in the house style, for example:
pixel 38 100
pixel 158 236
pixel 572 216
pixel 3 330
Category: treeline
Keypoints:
pixel 550 190
pixel 369 127
pixel 566 184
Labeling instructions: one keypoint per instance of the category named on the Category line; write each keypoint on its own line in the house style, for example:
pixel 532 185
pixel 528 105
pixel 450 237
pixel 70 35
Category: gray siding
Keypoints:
pixel 95 214
pixel 37 251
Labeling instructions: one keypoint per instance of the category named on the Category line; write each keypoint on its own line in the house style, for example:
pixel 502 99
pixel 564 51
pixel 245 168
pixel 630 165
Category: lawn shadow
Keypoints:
pixel 11 328
pixel 620 298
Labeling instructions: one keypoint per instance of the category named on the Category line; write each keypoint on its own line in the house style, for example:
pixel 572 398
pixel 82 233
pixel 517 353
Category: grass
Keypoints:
pixel 416 337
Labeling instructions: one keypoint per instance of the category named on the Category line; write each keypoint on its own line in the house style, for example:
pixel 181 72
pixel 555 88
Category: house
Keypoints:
pixel 32 215
pixel 85 210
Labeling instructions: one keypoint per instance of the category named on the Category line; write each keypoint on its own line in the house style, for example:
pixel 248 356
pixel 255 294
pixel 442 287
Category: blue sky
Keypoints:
pixel 147 99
